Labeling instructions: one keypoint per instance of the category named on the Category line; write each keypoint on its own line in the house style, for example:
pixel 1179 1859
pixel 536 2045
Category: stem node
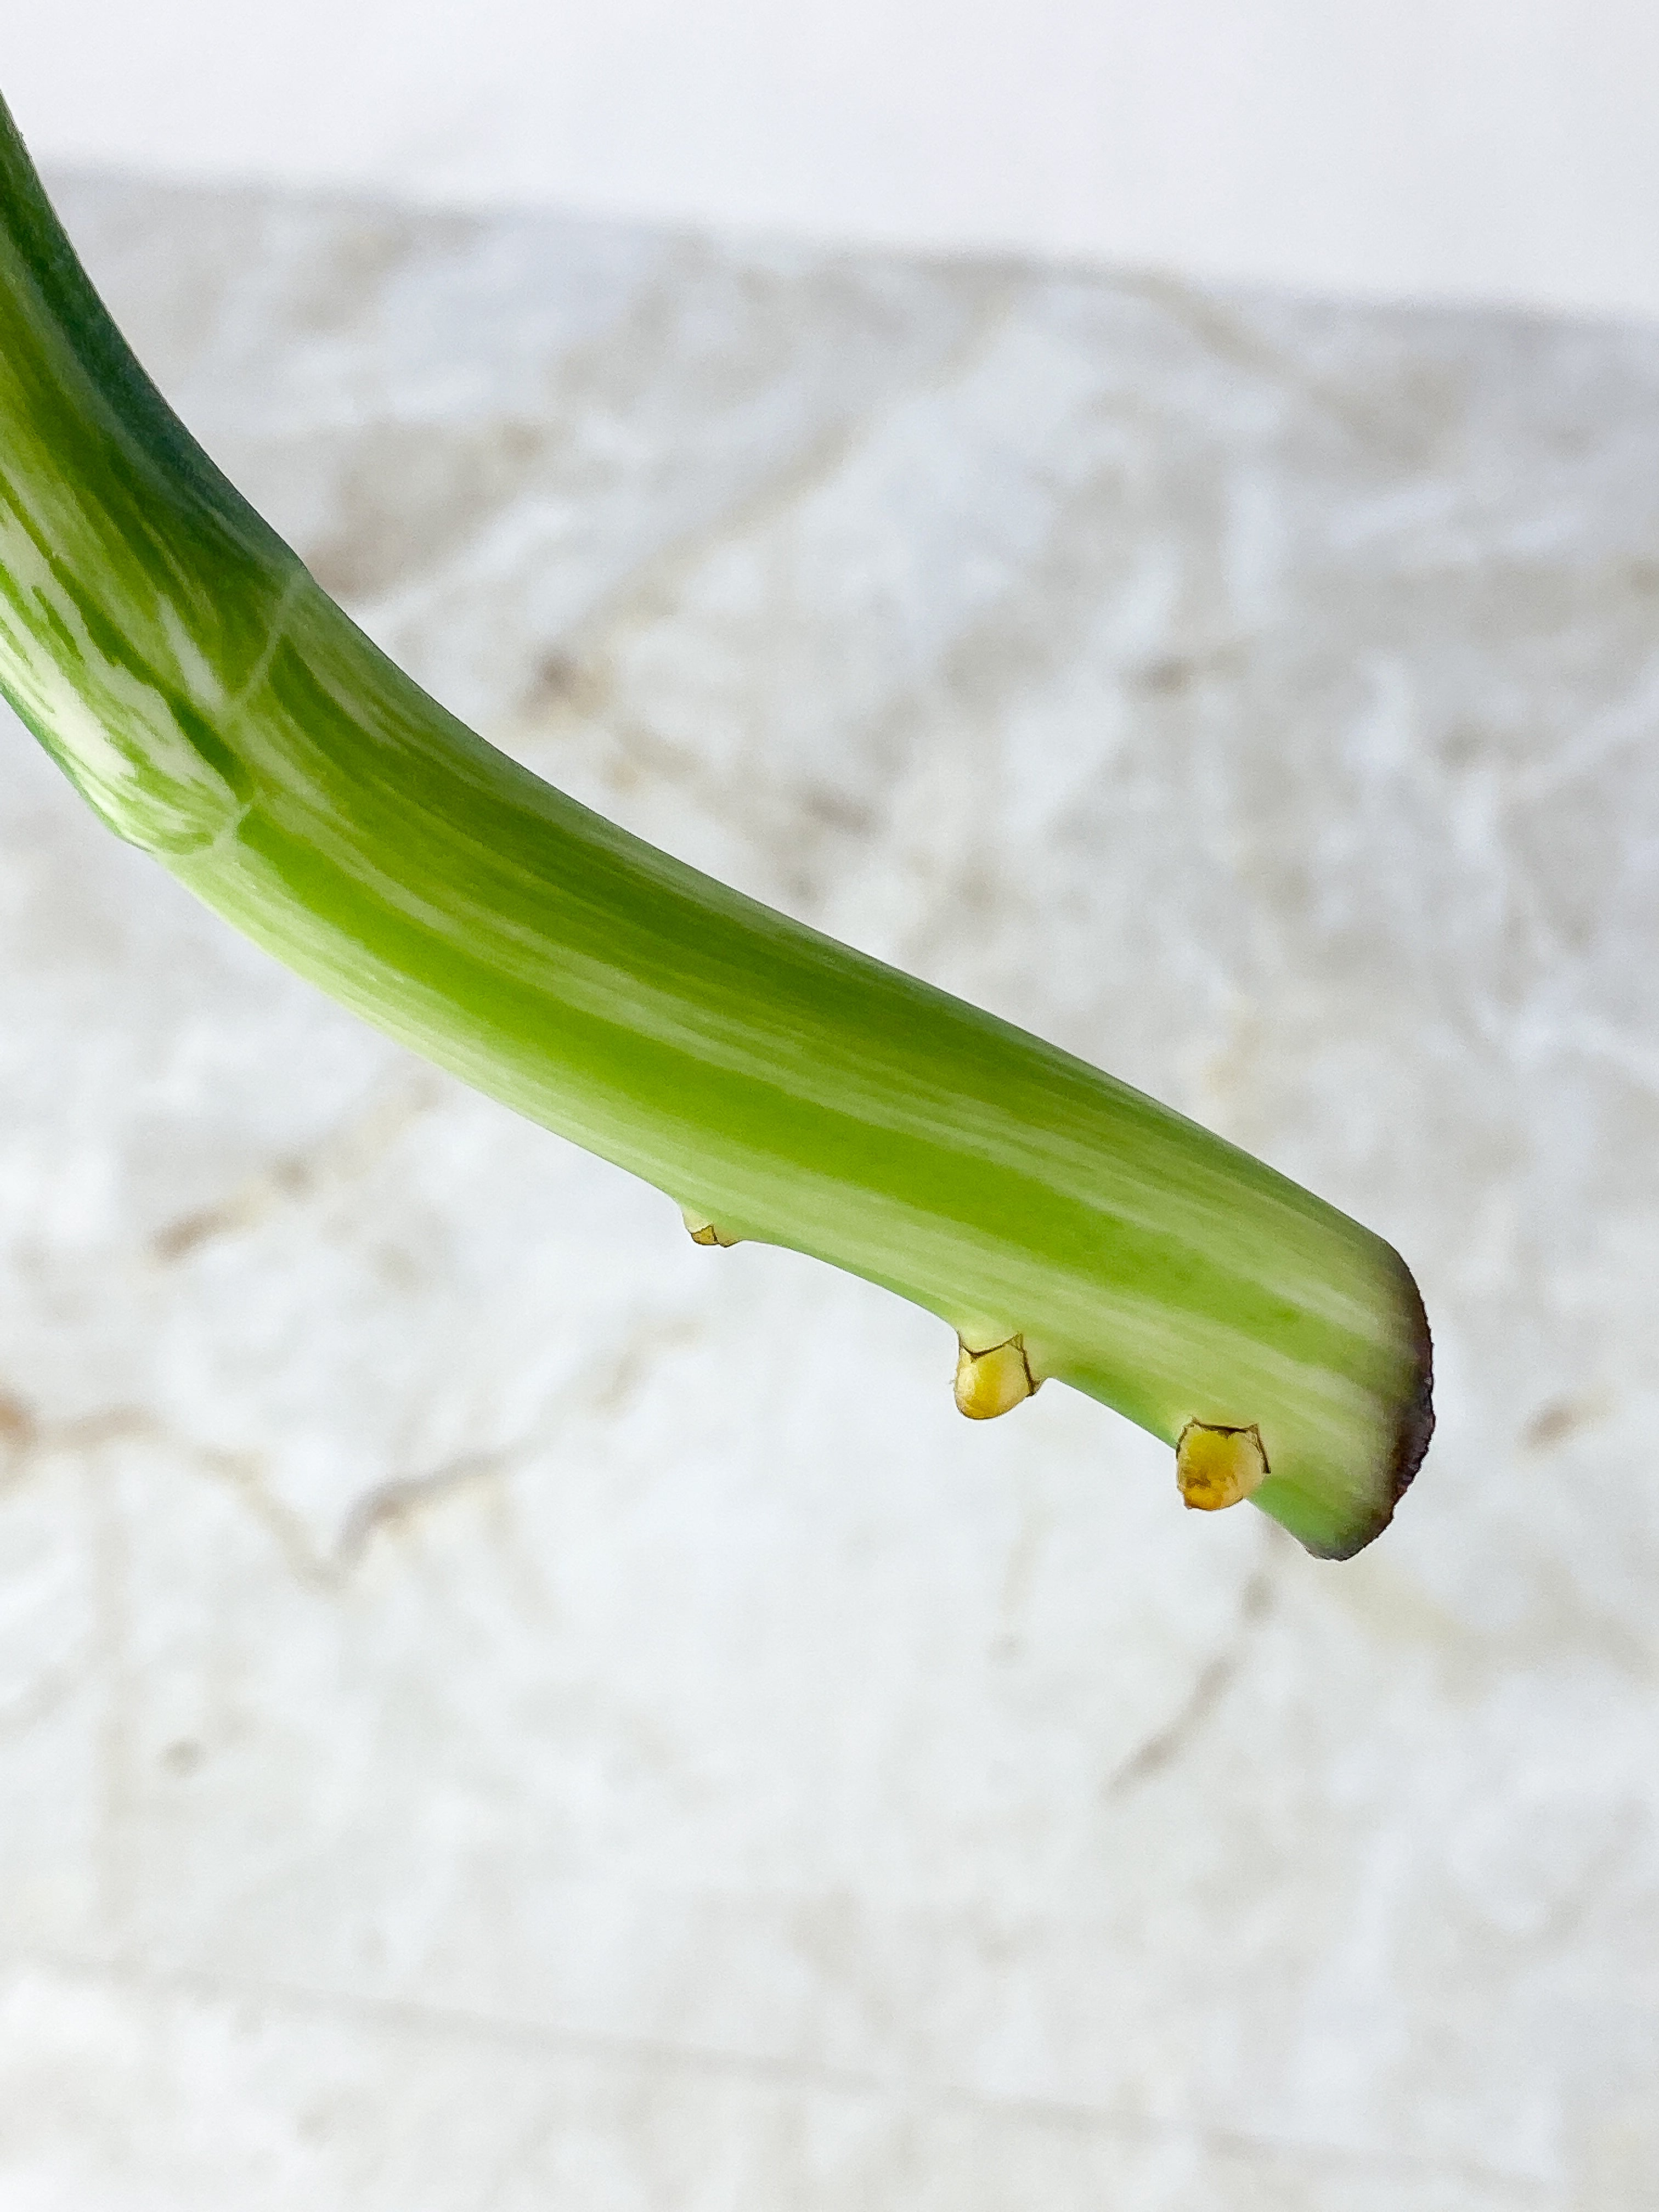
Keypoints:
pixel 994 1380
pixel 703 1232
pixel 1217 1465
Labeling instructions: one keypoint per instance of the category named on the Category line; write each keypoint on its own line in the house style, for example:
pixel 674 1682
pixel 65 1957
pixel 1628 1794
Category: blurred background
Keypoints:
pixel 1477 149
pixel 1151 519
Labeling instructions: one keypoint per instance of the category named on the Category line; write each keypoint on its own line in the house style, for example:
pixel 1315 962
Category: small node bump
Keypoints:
pixel 1217 1465
pixel 994 1380
pixel 703 1231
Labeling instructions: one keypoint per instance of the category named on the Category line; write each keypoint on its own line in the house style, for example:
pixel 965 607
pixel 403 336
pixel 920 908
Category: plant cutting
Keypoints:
pixel 218 710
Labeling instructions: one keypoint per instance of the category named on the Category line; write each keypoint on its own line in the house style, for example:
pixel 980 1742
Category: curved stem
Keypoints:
pixel 219 710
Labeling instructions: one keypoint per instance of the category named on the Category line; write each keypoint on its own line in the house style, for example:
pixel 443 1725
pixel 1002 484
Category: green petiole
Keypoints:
pixel 219 710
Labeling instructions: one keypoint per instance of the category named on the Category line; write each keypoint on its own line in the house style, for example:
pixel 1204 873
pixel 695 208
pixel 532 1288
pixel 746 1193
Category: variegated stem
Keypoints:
pixel 220 711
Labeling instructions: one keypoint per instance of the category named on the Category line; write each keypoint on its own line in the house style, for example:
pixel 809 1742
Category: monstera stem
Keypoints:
pixel 219 710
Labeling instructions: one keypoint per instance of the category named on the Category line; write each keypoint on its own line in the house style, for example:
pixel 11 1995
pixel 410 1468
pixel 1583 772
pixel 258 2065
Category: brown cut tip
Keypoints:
pixel 1417 1422
pixel 1412 1430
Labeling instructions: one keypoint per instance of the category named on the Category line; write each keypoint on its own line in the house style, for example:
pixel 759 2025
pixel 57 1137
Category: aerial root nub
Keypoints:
pixel 994 1380
pixel 1217 1465
pixel 703 1232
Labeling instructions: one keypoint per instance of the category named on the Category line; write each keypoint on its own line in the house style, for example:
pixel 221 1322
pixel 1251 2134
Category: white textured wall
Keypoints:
pixel 1424 148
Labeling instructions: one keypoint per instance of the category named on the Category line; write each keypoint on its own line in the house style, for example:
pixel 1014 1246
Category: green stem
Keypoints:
pixel 218 710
